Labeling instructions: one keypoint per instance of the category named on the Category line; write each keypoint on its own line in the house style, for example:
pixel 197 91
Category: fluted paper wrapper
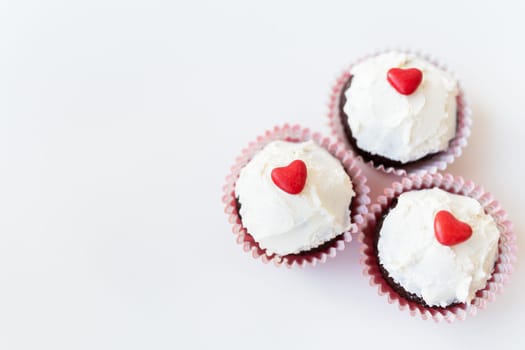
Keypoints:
pixel 506 247
pixel 437 162
pixel 358 207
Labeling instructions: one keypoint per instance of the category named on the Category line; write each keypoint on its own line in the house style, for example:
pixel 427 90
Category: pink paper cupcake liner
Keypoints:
pixel 437 162
pixel 503 268
pixel 358 209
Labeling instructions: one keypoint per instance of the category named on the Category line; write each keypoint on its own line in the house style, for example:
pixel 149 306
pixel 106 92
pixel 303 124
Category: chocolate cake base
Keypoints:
pixel 396 286
pixel 367 156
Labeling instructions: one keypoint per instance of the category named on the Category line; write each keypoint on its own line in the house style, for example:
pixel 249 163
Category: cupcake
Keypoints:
pixel 294 198
pixel 438 245
pixel 437 248
pixel 400 112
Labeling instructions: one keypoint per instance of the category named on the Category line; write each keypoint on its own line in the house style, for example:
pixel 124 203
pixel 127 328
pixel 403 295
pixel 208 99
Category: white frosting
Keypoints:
pixel 401 127
pixel 410 252
pixel 283 223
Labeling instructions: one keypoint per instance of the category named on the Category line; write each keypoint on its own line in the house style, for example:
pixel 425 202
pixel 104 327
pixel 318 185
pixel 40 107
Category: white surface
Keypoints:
pixel 119 121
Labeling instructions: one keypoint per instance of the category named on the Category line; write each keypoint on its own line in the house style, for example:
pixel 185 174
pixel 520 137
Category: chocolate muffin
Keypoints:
pixel 294 197
pixel 436 248
pixel 397 109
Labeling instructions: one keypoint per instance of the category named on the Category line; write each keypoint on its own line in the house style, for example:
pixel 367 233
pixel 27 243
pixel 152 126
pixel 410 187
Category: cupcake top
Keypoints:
pixel 401 106
pixel 440 246
pixel 294 197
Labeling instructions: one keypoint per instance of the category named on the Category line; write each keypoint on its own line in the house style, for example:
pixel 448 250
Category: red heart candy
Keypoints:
pixel 290 178
pixel 405 81
pixel 449 230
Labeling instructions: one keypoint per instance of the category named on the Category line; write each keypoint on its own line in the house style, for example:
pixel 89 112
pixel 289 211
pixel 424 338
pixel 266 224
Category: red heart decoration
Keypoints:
pixel 290 178
pixel 449 230
pixel 405 81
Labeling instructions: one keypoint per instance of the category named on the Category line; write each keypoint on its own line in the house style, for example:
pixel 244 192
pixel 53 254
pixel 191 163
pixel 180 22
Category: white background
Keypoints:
pixel 119 121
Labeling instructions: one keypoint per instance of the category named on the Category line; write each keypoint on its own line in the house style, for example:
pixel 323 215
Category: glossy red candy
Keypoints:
pixel 290 178
pixel 405 81
pixel 449 230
